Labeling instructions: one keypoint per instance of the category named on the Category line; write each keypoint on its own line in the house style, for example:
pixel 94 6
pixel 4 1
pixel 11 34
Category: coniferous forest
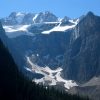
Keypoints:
pixel 15 86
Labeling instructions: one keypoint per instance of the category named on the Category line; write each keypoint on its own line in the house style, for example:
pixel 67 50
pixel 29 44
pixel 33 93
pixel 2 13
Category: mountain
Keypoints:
pixel 82 56
pixel 34 42
pixel 81 60
pixel 28 18
pixel 63 51
pixel 15 86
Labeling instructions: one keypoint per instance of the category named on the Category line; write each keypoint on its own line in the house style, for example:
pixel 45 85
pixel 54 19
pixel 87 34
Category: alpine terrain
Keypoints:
pixel 16 86
pixel 62 52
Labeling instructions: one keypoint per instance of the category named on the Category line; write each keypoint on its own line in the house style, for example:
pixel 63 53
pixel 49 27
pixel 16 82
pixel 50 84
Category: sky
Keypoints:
pixel 60 8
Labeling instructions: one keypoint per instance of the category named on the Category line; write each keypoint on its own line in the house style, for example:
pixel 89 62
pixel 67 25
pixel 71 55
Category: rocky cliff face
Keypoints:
pixel 16 53
pixel 48 49
pixel 82 57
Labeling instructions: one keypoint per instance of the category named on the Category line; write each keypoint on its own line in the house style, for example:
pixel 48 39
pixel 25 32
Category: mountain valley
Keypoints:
pixel 56 51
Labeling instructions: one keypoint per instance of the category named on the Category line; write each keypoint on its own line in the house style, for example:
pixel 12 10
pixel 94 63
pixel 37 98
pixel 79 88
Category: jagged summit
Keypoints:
pixel 47 12
pixel 65 19
pixel 43 22
pixel 26 18
pixel 90 14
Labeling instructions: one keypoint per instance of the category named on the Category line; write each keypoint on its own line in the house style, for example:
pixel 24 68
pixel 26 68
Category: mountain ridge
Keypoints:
pixel 15 86
pixel 72 45
pixel 29 18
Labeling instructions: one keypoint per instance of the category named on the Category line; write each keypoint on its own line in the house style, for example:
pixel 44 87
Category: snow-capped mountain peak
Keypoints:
pixel 44 23
pixel 16 18
pixel 28 30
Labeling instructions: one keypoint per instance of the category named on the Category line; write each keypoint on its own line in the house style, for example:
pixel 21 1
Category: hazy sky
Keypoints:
pixel 61 8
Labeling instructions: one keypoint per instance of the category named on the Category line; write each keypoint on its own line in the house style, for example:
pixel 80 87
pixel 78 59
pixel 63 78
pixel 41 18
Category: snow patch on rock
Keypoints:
pixel 51 77
pixel 17 30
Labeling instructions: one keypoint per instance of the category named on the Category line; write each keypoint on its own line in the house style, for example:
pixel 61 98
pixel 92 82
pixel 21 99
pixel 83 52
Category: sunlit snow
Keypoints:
pixel 61 28
pixel 58 28
pixel 36 15
pixel 17 30
pixel 74 22
pixel 51 77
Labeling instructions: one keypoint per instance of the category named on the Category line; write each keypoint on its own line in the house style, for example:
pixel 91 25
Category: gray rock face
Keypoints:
pixel 16 53
pixel 65 19
pixel 47 46
pixel 92 92
pixel 10 20
pixel 28 19
pixel 90 89
pixel 82 56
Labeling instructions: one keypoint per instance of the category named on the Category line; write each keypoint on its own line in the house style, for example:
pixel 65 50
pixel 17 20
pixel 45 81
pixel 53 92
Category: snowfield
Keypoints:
pixel 31 21
pixel 58 28
pixel 62 28
pixel 51 77
pixel 17 30
pixel 34 18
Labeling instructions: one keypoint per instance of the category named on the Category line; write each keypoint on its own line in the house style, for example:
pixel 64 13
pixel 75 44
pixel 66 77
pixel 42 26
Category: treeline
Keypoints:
pixel 15 86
